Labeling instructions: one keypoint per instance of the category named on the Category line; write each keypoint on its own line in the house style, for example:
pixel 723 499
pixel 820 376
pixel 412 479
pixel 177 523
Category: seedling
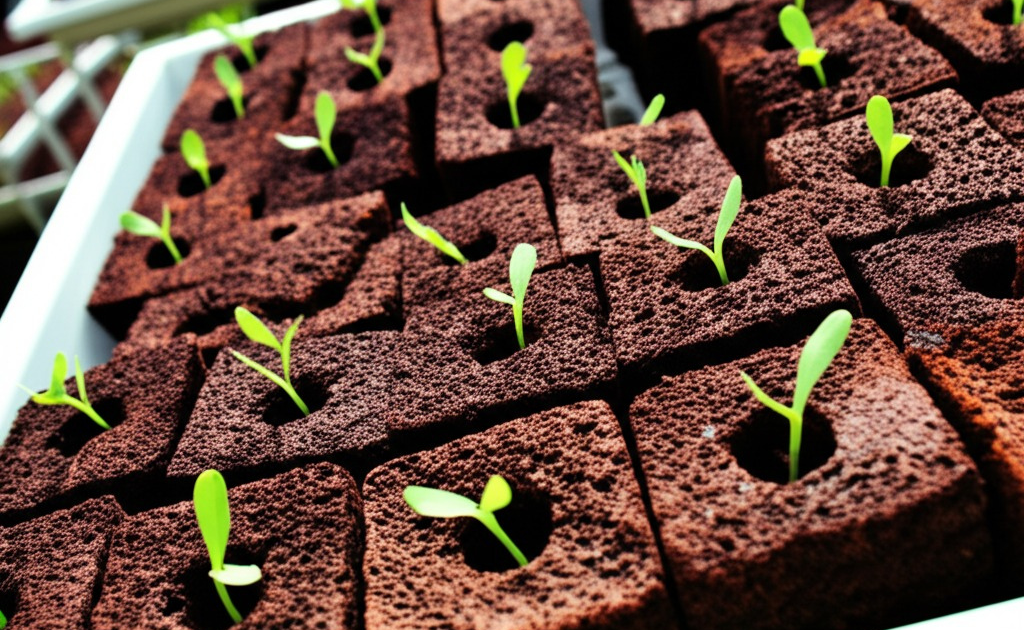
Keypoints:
pixel 879 117
pixel 443 504
pixel 520 268
pixel 653 110
pixel 730 208
pixel 819 351
pixel 57 395
pixel 1018 7
pixel 232 83
pixel 370 6
pixel 637 173
pixel 797 30
pixel 431 236
pixel 139 225
pixel 515 70
pixel 210 500
pixel 3 621
pixel 257 331
pixel 243 42
pixel 194 152
pixel 369 61
pixel 326 114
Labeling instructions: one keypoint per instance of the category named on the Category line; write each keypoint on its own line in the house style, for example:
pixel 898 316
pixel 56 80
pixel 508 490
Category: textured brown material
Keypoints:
pixel 929 181
pixel 51 567
pixel 559 102
pixel 458 362
pixel 959 275
pixel 975 375
pixel 668 305
pixel 977 37
pixel 1006 114
pixel 486 229
pixel 242 420
pixel 285 257
pixel 684 168
pixel 56 451
pixel 303 528
pixel 268 91
pixel 888 527
pixel 571 476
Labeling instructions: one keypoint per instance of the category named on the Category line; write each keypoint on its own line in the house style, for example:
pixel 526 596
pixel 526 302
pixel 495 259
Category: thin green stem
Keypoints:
pixel 171 247
pixel 371 11
pixel 796 425
pixel 225 599
pixel 236 102
pixel 87 410
pixel 375 69
pixel 514 110
pixel 294 395
pixel 644 202
pixel 204 173
pixel 886 169
pixel 491 523
pixel 329 152
pixel 517 316
pixel 249 52
pixel 818 70
pixel 719 261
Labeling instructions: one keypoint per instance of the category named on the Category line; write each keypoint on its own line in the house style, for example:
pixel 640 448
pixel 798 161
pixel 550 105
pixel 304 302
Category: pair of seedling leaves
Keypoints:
pixel 58 395
pixel 369 61
pixel 796 28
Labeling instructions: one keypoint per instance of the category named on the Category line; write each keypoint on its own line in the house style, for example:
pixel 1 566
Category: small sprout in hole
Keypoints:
pixel 3 621
pixel 326 114
pixel 879 116
pixel 210 500
pixel 139 225
pixel 819 351
pixel 516 71
pixel 370 6
pixel 653 110
pixel 520 268
pixel 1018 7
pixel 57 395
pixel 637 173
pixel 730 208
pixel 243 42
pixel 194 152
pixel 432 236
pixel 443 504
pixel 797 31
pixel 369 61
pixel 232 83
pixel 257 331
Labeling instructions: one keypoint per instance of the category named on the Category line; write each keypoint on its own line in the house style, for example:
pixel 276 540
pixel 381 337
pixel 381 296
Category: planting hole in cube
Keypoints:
pixel 341 143
pixel 630 207
pixel 527 521
pixel 501 343
pixel 364 79
pixel 206 322
pixel 999 12
pixel 476 250
pixel 774 40
pixel 279 233
pixel 514 32
pixel 80 428
pixel 224 111
pixel 530 109
pixel 362 26
pixel 911 164
pixel 159 257
pixel 257 204
pixel 761 447
pixel 280 409
pixel 8 597
pixel 192 183
pixel 204 609
pixel 836 69
pixel 240 63
pixel 988 270
pixel 697 272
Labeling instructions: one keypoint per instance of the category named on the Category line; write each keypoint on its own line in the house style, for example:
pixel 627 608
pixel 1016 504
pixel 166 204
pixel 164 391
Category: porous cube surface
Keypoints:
pixel 668 307
pixel 960 274
pixel 303 528
pixel 486 229
pixel 243 421
pixel 1004 114
pixel 51 567
pixel 885 524
pixel 595 199
pixel 576 512
pixel 55 451
pixel 930 182
pixel 459 361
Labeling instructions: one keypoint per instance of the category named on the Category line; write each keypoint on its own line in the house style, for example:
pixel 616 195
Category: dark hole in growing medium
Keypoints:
pixel 224 110
pixel 364 79
pixel 192 183
pixel 988 269
pixel 761 447
pixel 530 109
pixel 159 257
pixel 206 322
pixel 362 26
pixel 527 521
pixel 513 32
pixel 696 272
pixel 281 232
pixel 836 69
pixel 202 605
pixel 280 409
pixel 630 206
pixel 9 598
pixel 477 250
pixel 342 143
pixel 501 343
pixel 1000 13
pixel 242 64
pixel 80 428
pixel 775 40
pixel 909 165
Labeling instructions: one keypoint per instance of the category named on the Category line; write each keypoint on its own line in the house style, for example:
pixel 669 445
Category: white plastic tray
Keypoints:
pixel 47 313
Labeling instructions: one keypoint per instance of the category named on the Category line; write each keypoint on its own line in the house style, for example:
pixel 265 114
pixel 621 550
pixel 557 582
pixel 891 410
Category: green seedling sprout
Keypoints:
pixel 432 236
pixel 637 173
pixel 797 30
pixel 243 42
pixel 232 83
pixel 369 61
pixel 653 110
pixel 443 504
pixel 57 395
pixel 1018 7
pixel 3 621
pixel 257 331
pixel 370 6
pixel 879 117
pixel 819 351
pixel 520 268
pixel 210 500
pixel 194 152
pixel 326 114
pixel 139 225
pixel 516 71
pixel 730 208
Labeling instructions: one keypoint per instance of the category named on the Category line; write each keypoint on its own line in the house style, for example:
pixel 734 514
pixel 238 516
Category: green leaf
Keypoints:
pixel 255 329
pixel 727 215
pixel 625 166
pixel 297 143
pixel 653 110
pixel 811 57
pixel 165 221
pixel 821 348
pixel 231 82
pixel 3 621
pixel 273 378
pixel 496 495
pixel 679 242
pixel 639 172
pixel 799 4
pixel 357 57
pixel 60 372
pixel 520 269
pixel 514 68
pixel 210 500
pixel 764 398
pixel 286 349
pixel 900 141
pixel 796 28
pixel 80 382
pixel 438 503
pixel 134 223
pixel 880 123
pixel 237 575
pixel 498 296
pixel 326 115
pixel 194 152
pixel 431 236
